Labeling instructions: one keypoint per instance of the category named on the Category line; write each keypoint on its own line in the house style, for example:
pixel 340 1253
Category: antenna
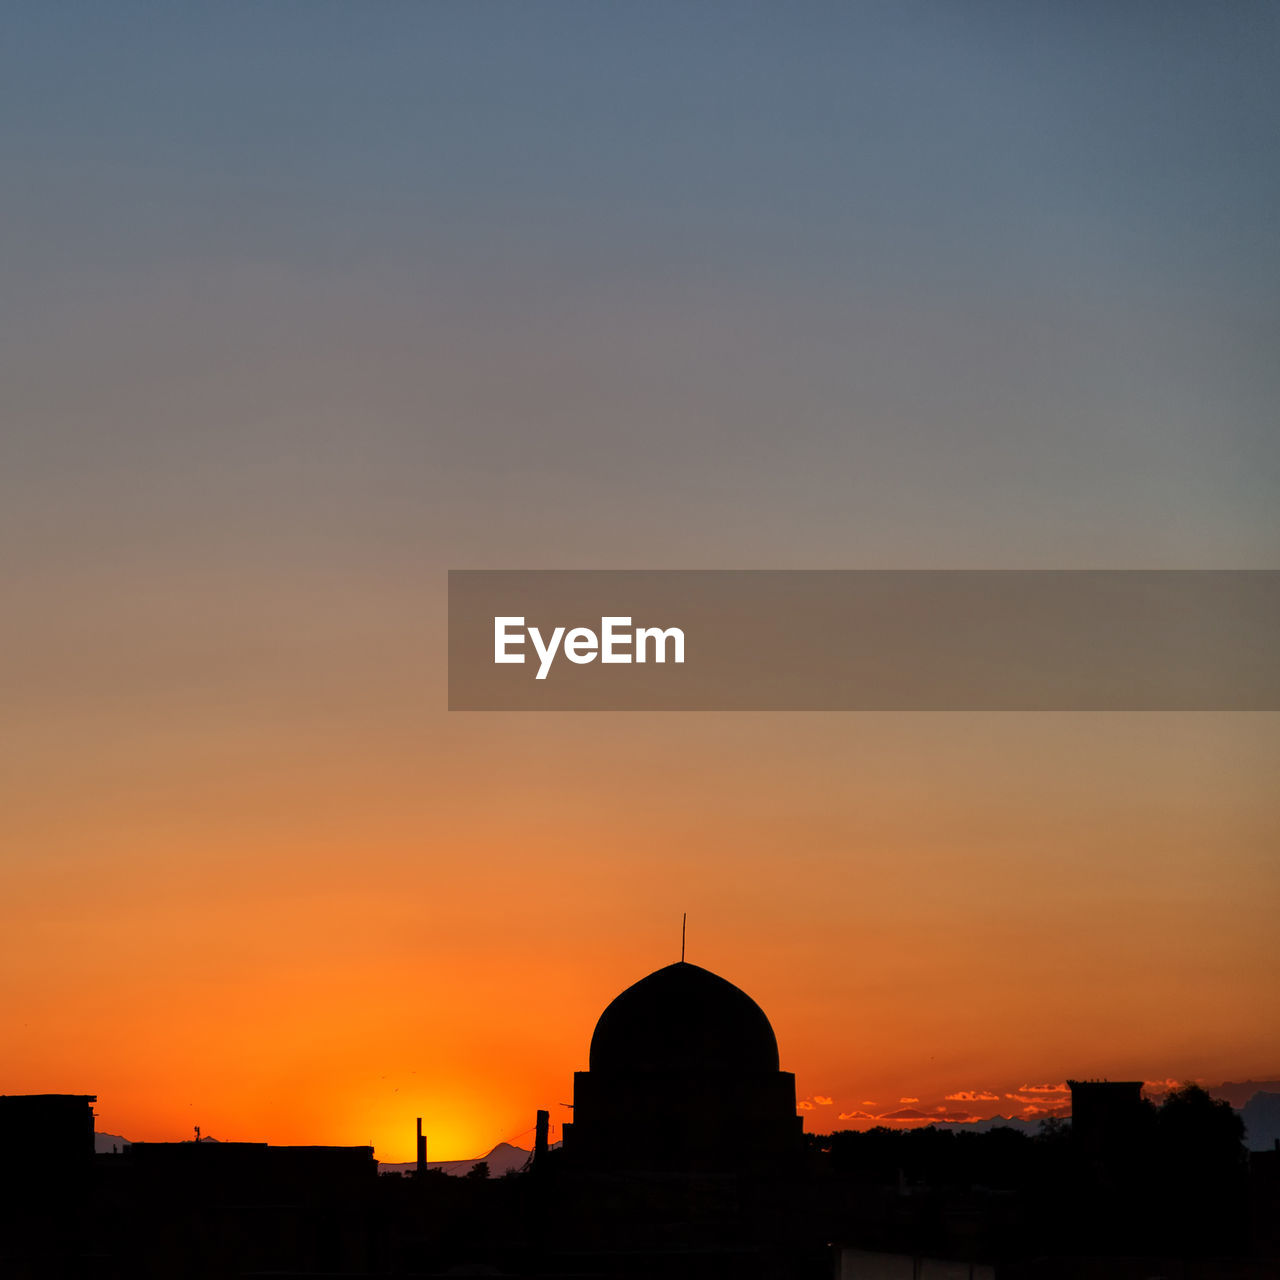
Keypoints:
pixel 684 920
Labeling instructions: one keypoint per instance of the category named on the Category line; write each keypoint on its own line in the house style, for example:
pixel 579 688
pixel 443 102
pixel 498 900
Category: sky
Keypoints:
pixel 304 304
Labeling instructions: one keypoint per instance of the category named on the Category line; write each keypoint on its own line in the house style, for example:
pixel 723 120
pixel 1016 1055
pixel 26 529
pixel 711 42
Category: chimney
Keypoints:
pixel 540 1137
pixel 422 1150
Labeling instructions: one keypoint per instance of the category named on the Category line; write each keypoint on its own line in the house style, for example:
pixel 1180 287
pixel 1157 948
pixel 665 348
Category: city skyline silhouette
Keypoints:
pixel 685 1156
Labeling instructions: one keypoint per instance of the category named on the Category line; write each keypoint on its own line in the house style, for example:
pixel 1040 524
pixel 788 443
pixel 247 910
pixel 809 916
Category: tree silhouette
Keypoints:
pixel 1202 1170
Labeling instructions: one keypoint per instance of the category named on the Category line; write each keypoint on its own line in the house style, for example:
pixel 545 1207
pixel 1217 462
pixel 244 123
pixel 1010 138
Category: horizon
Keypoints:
pixel 1025 1103
pixel 1048 1104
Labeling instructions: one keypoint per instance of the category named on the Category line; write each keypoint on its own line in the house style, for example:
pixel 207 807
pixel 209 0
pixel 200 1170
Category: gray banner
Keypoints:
pixel 864 640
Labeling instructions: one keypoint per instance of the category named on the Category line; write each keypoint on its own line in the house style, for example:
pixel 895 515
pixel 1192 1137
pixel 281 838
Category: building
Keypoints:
pixel 1106 1116
pixel 46 1134
pixel 46 1181
pixel 684 1076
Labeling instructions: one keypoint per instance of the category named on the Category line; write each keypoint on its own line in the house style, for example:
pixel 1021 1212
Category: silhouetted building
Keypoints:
pixel 210 1208
pixel 252 1169
pixel 684 1076
pixel 46 1132
pixel 1106 1115
pixel 46 1181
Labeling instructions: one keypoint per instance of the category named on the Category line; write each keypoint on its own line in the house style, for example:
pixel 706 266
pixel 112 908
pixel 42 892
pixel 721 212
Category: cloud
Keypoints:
pixel 1040 1101
pixel 908 1099
pixel 972 1095
pixel 821 1100
pixel 908 1116
pixel 868 1102
pixel 805 1105
pixel 940 1115
pixel 1044 1088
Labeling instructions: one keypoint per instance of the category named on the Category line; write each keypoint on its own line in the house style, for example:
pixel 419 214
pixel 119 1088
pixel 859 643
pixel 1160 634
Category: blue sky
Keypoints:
pixel 1013 265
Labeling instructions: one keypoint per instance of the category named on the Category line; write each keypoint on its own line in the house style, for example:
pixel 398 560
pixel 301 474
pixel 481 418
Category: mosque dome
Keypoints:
pixel 683 1018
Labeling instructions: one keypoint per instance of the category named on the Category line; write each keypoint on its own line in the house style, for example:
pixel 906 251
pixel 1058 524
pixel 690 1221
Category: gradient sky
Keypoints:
pixel 303 304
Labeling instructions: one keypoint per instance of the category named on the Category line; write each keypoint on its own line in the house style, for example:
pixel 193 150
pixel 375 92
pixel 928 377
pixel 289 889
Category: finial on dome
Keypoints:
pixel 684 919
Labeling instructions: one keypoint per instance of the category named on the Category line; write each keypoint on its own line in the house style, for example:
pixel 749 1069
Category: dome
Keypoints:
pixel 683 1018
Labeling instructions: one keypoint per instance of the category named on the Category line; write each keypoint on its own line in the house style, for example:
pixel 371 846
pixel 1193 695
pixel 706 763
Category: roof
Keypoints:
pixel 683 1018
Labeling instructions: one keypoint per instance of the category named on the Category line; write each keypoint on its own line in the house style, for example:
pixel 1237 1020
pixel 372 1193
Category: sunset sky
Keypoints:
pixel 304 304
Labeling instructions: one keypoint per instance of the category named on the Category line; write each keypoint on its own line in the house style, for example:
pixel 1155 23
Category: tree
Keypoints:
pixel 479 1170
pixel 1202 1170
pixel 1190 1116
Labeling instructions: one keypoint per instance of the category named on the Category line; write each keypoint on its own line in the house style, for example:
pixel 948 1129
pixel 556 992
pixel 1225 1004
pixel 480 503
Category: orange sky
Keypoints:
pixel 290 935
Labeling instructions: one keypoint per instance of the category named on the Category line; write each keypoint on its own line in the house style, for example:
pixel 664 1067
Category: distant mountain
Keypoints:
pixel 1261 1116
pixel 1238 1093
pixel 503 1158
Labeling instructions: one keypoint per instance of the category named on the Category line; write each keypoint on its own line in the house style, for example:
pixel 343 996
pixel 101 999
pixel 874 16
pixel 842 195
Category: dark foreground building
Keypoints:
pixel 685 1156
pixel 684 1077
pixel 45 1132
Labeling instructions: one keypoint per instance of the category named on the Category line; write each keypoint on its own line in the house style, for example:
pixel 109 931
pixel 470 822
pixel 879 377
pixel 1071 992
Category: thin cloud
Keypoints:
pixel 908 1100
pixel 1045 1088
pixel 806 1105
pixel 822 1100
pixel 856 1115
pixel 940 1115
pixel 972 1095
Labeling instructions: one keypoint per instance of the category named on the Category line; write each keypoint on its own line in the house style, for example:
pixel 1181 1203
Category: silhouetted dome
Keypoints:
pixel 683 1018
